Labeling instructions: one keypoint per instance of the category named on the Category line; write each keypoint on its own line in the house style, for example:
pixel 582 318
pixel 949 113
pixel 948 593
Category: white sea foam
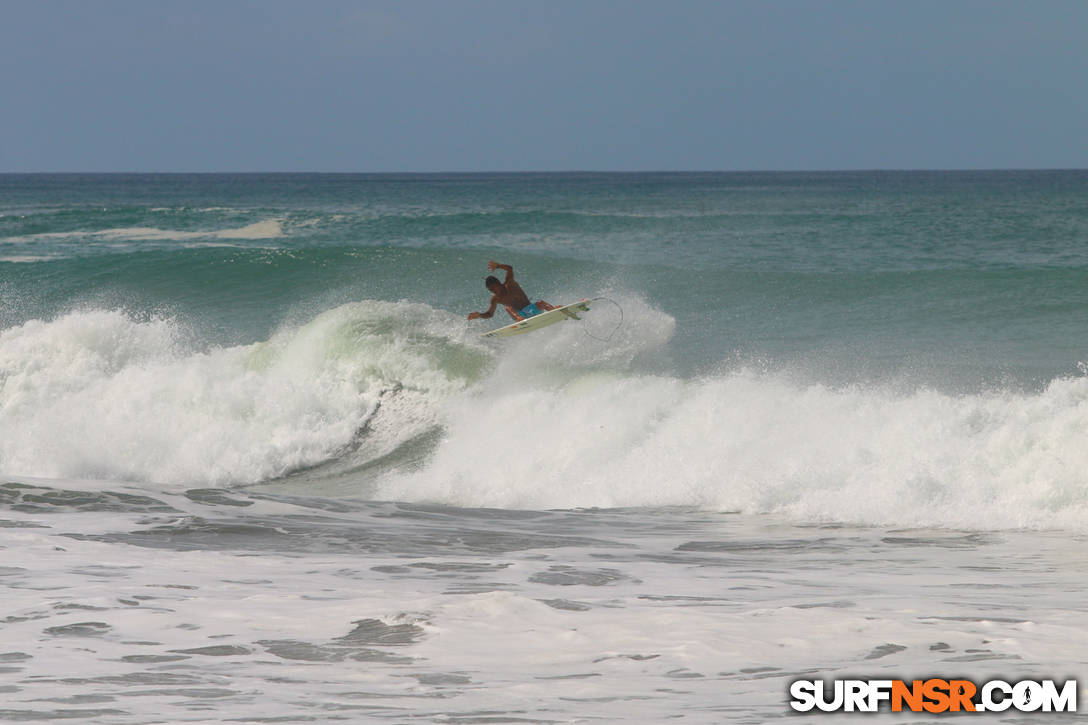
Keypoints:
pixel 609 616
pixel 557 419
pixel 565 423
pixel 265 229
pixel 96 394
pixel 24 258
pixel 757 443
pixel 244 604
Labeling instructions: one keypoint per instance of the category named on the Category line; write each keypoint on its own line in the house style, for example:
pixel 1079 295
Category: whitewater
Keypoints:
pixel 256 464
pixel 134 401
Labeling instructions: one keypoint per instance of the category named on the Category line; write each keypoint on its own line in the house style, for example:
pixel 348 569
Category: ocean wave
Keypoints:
pixel 99 394
pixel 265 229
pixel 401 401
pixel 755 442
pixel 25 258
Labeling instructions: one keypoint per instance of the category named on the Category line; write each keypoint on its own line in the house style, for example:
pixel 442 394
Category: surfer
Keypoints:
pixel 510 294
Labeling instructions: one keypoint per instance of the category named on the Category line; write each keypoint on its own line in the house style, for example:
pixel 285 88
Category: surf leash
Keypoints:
pixel 614 329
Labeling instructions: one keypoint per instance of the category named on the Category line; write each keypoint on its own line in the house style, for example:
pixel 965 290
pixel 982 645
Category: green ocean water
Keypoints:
pixel 961 278
pixel 908 331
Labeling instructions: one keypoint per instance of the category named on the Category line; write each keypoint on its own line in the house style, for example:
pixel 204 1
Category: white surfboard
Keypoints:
pixel 566 312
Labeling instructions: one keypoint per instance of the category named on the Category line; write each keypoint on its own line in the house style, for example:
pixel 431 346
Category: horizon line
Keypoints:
pixel 552 171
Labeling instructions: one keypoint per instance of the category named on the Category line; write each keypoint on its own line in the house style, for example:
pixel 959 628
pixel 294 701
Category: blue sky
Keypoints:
pixel 507 85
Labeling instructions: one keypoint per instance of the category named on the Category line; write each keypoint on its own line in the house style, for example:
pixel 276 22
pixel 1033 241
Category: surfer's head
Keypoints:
pixel 493 284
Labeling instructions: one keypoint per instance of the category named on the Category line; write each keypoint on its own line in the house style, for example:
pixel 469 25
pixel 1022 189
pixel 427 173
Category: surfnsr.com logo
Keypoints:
pixel 934 695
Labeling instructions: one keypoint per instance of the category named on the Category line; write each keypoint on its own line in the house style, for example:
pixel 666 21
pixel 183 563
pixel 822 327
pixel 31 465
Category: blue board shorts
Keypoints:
pixel 529 310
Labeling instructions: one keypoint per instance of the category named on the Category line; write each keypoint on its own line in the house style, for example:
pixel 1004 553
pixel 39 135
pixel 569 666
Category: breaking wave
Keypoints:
pixel 556 421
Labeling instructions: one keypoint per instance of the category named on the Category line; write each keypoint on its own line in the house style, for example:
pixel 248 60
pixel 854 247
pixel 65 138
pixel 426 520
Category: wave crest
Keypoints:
pixel 760 443
pixel 98 394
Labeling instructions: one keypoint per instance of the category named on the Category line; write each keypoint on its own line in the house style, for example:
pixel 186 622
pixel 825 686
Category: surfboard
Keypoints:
pixel 566 312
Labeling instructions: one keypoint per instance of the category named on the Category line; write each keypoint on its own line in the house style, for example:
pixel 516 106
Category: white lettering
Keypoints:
pixel 989 704
pixel 879 691
pixel 856 696
pixel 804 695
pixel 836 702
pixel 1027 696
pixel 1064 701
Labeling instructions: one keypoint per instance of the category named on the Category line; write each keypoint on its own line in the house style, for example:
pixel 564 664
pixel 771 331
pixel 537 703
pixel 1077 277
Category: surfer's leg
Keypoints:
pixel 544 305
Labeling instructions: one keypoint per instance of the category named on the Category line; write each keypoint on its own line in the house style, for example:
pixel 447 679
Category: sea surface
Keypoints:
pixel 257 466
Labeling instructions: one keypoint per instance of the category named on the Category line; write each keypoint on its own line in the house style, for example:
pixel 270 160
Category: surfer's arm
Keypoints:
pixel 485 315
pixel 493 265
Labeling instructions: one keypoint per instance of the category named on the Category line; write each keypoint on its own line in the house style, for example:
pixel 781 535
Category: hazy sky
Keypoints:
pixel 498 85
